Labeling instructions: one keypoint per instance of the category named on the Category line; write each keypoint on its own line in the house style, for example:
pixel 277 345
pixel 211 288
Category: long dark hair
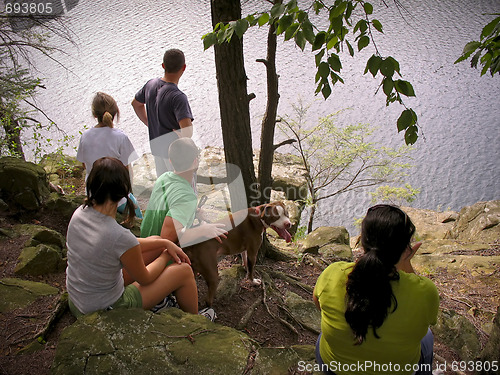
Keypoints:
pixel 386 232
pixel 109 179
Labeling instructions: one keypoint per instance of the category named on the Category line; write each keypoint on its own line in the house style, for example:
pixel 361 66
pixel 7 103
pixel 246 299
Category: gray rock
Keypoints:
pixel 304 311
pixel 136 342
pixel 23 182
pixel 456 332
pixel 331 242
pixel 40 260
pixel 491 351
pixel 477 223
pixel 17 293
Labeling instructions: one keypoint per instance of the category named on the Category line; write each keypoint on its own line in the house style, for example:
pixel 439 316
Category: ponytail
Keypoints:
pixel 369 295
pixel 107 119
pixel 386 232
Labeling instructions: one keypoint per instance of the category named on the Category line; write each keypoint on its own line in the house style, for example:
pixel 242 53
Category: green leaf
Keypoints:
pixel 332 42
pixel 471 47
pixel 489 28
pixel 307 28
pixel 387 67
pixel 334 62
pixel 411 135
pixel 263 19
pixel 277 10
pixel 348 11
pixel 377 25
pixel 387 85
pixel 404 87
pixel 284 23
pixel 351 50
pixel 319 56
pixel 324 69
pixel 395 63
pixel 326 90
pixel 406 119
pixel 361 25
pixel 291 6
pixel 240 27
pixel 363 42
pixel 368 8
pixel 291 31
pixel 209 40
pixel 373 65
pixel 338 10
pixel 319 40
pixel 300 40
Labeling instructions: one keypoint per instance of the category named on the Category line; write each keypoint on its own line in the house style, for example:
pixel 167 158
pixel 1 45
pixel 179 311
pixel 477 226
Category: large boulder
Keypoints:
pixel 458 333
pixel 137 342
pixel 331 243
pixel 59 166
pixel 477 223
pixel 491 352
pixel 17 293
pixel 23 183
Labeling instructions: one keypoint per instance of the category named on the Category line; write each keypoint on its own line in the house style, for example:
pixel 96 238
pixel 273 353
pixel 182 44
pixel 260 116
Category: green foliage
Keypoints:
pixel 395 195
pixel 341 159
pixel 293 22
pixel 486 52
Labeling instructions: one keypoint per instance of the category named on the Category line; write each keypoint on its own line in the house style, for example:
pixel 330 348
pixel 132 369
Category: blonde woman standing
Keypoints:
pixel 105 140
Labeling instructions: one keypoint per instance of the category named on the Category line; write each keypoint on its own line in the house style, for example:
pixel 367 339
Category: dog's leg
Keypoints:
pixel 244 259
pixel 211 275
pixel 251 261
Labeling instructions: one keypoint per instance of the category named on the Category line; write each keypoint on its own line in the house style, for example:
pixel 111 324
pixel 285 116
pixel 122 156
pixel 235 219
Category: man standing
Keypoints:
pixel 165 109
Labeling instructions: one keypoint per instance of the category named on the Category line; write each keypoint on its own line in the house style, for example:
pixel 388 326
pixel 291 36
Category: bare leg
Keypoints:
pixel 177 279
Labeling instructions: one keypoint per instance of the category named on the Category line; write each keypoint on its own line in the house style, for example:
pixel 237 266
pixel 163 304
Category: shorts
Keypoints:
pixel 130 298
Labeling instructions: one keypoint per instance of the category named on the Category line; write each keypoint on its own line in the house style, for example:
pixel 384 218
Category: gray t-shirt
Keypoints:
pixel 95 242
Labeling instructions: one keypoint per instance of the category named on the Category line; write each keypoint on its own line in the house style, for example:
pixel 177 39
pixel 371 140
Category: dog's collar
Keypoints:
pixel 257 212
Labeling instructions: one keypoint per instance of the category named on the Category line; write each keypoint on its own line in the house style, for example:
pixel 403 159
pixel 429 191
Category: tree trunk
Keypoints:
pixel 12 134
pixel 269 121
pixel 311 218
pixel 234 107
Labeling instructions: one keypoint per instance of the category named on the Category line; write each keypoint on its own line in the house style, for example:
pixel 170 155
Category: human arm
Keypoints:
pixel 140 111
pixel 316 300
pixel 404 263
pixel 186 126
pixel 133 261
pixel 171 229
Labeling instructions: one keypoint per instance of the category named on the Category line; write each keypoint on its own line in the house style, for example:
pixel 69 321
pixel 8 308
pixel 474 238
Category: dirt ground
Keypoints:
pixel 267 324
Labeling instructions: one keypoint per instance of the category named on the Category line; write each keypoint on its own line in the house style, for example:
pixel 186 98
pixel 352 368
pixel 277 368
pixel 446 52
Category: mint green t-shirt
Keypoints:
pixel 398 347
pixel 172 196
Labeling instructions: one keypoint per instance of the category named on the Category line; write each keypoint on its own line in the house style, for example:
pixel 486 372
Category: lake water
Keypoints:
pixel 120 44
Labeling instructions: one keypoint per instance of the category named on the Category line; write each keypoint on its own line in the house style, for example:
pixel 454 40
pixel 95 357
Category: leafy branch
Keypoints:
pixel 293 23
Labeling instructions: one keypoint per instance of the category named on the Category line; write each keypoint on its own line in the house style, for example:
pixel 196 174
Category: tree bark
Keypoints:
pixel 234 107
pixel 269 122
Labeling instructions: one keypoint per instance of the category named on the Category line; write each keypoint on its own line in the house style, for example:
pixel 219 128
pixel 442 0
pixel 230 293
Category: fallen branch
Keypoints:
pixel 245 318
pixel 282 321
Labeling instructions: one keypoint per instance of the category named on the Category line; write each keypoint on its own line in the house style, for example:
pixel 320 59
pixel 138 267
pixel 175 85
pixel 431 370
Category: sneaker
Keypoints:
pixel 167 302
pixel 208 313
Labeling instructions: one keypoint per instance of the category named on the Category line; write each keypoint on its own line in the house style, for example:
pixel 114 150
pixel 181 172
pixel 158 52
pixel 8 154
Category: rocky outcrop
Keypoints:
pixel 332 243
pixel 22 183
pixel 173 342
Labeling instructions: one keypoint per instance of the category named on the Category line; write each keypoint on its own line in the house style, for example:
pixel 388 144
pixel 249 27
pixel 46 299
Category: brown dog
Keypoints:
pixel 245 229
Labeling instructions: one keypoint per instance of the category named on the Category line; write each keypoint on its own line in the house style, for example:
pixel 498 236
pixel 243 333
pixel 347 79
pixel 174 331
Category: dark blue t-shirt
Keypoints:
pixel 166 105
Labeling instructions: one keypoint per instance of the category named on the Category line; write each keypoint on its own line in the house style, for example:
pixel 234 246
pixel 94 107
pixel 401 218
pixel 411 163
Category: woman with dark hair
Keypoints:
pixel 108 267
pixel 375 313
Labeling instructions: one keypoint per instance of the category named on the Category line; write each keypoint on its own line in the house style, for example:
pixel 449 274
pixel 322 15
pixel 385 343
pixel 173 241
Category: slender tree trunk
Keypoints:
pixel 311 218
pixel 234 107
pixel 12 134
pixel 269 121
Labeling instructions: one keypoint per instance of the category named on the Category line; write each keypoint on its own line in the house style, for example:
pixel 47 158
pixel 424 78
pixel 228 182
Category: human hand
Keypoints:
pixel 216 230
pixel 174 251
pixel 404 263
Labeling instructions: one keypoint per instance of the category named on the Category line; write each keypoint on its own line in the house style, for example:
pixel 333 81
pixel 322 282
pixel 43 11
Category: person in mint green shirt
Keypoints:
pixel 173 203
pixel 376 312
